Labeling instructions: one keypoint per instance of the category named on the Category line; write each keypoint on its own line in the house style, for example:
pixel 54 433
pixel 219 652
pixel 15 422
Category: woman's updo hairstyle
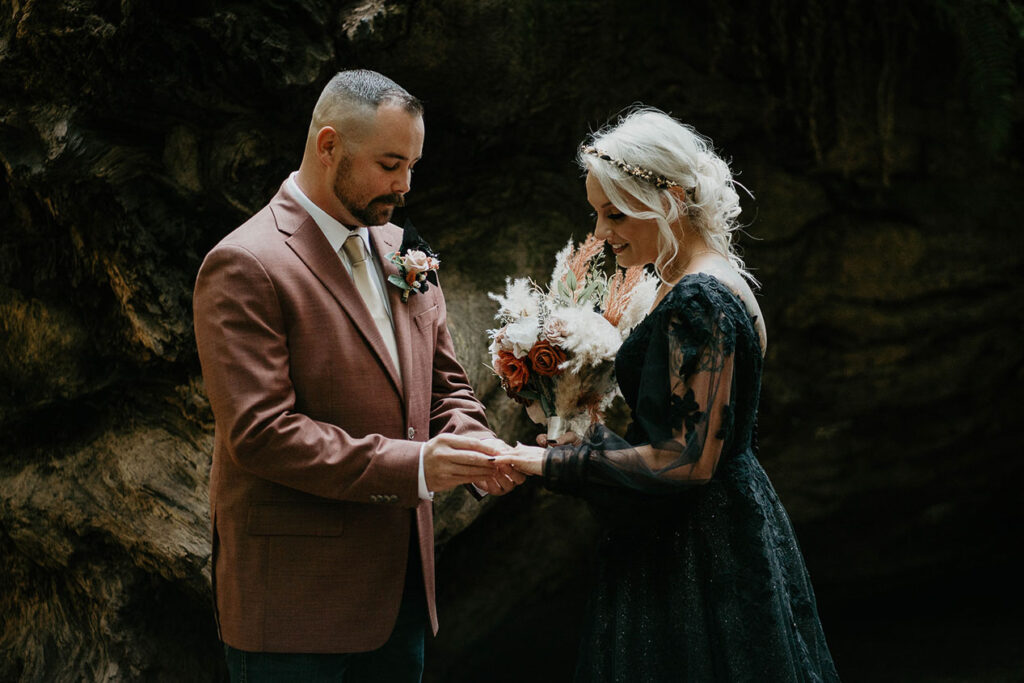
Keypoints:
pixel 651 166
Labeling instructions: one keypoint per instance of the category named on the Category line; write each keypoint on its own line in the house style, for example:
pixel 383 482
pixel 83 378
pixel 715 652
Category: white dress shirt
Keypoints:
pixel 336 234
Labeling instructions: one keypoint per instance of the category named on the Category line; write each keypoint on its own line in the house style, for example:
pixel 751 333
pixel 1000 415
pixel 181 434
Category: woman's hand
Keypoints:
pixel 525 459
pixel 567 438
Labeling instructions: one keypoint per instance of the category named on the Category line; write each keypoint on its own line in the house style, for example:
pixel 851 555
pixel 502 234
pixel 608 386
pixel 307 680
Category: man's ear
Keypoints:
pixel 328 145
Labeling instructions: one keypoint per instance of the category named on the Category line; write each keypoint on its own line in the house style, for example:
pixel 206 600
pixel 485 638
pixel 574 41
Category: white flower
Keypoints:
pixel 417 260
pixel 522 335
pixel 589 338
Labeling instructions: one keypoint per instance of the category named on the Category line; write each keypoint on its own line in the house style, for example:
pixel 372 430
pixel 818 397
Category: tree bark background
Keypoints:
pixel 882 141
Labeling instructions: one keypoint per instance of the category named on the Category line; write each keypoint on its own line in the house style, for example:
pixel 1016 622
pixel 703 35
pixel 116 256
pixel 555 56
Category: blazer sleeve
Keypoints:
pixel 454 409
pixel 243 349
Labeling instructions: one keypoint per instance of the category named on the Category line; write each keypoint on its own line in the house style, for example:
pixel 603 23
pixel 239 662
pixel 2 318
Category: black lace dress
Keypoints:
pixel 699 575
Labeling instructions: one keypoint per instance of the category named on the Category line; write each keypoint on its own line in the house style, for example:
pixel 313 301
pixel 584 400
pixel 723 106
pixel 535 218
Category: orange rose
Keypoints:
pixel 512 370
pixel 546 358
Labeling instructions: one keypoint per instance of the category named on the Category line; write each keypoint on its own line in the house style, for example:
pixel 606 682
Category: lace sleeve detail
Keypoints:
pixel 683 406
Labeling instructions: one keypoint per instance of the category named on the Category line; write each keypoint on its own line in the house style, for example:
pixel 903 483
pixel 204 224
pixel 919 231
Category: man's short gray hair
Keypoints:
pixel 350 97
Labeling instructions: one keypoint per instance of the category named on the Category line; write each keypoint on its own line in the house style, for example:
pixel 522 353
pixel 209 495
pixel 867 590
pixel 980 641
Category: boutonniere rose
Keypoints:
pixel 416 262
pixel 413 269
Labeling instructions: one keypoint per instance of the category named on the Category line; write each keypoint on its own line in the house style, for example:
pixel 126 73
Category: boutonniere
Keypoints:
pixel 416 262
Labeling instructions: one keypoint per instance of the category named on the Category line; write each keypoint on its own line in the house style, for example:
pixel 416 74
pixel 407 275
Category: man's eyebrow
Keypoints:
pixel 400 157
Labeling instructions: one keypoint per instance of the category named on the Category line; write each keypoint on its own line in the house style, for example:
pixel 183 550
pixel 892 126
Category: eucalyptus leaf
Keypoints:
pixel 395 280
pixel 590 289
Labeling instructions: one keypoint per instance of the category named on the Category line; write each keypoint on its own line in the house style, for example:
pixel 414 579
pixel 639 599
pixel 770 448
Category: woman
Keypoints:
pixel 699 576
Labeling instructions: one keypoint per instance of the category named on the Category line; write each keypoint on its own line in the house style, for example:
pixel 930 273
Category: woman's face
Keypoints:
pixel 634 241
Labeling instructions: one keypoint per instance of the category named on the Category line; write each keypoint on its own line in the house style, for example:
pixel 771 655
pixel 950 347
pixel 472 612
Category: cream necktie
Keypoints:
pixel 357 256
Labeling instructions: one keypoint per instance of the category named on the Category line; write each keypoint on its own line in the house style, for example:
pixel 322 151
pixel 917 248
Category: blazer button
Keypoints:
pixel 374 498
pixel 412 432
pixel 393 499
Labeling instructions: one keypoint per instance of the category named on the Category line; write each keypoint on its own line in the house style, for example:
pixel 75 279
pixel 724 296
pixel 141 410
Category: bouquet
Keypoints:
pixel 555 349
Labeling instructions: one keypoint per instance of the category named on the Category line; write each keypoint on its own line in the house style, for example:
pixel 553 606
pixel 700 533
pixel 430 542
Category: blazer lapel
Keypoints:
pixel 385 241
pixel 309 244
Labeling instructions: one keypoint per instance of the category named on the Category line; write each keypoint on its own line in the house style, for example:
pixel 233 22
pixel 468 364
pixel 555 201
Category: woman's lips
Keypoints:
pixel 618 248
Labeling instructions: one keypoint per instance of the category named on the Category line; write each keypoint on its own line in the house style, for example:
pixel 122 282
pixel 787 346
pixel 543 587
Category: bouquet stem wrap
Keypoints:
pixel 556 427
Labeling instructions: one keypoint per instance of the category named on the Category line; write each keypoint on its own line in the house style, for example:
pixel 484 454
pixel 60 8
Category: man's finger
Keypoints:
pixel 453 480
pixel 483 468
pixel 515 476
pixel 492 486
pixel 467 443
pixel 471 458
pixel 464 472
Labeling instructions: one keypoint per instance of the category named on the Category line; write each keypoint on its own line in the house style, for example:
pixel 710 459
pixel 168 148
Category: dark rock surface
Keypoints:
pixel 883 141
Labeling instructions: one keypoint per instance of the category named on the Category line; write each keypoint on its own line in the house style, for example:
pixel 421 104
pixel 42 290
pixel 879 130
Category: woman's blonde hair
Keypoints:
pixel 651 166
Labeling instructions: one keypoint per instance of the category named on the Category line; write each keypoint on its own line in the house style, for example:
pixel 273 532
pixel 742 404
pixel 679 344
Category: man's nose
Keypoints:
pixel 403 183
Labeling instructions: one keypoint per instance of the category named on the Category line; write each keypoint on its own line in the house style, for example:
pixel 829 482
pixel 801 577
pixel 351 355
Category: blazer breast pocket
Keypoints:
pixel 425 319
pixel 294 519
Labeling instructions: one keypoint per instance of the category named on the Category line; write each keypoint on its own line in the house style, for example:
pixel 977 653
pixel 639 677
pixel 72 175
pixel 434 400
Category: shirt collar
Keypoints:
pixel 335 232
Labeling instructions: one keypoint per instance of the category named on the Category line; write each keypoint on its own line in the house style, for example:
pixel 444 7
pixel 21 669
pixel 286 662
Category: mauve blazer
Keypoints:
pixel 313 489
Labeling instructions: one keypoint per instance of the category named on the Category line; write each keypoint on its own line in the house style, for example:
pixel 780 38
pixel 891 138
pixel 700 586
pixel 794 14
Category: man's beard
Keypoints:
pixel 377 211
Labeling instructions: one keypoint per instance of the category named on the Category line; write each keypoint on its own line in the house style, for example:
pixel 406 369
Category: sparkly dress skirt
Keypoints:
pixel 708 586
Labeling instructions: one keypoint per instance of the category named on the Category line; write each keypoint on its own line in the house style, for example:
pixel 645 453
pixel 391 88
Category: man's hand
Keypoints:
pixel 505 478
pixel 450 460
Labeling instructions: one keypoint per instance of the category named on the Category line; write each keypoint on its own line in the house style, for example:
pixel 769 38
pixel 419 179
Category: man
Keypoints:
pixel 339 409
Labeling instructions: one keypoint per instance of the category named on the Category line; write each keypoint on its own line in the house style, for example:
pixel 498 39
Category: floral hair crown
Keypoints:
pixel 661 182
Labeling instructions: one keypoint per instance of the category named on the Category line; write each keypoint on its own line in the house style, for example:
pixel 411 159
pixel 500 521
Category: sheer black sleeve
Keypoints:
pixel 683 406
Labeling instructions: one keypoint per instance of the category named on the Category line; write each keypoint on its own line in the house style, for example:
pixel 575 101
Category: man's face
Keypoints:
pixel 375 172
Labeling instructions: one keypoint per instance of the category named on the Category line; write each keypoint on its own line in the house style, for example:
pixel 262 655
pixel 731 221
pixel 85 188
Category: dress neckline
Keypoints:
pixel 705 276
pixel 719 284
